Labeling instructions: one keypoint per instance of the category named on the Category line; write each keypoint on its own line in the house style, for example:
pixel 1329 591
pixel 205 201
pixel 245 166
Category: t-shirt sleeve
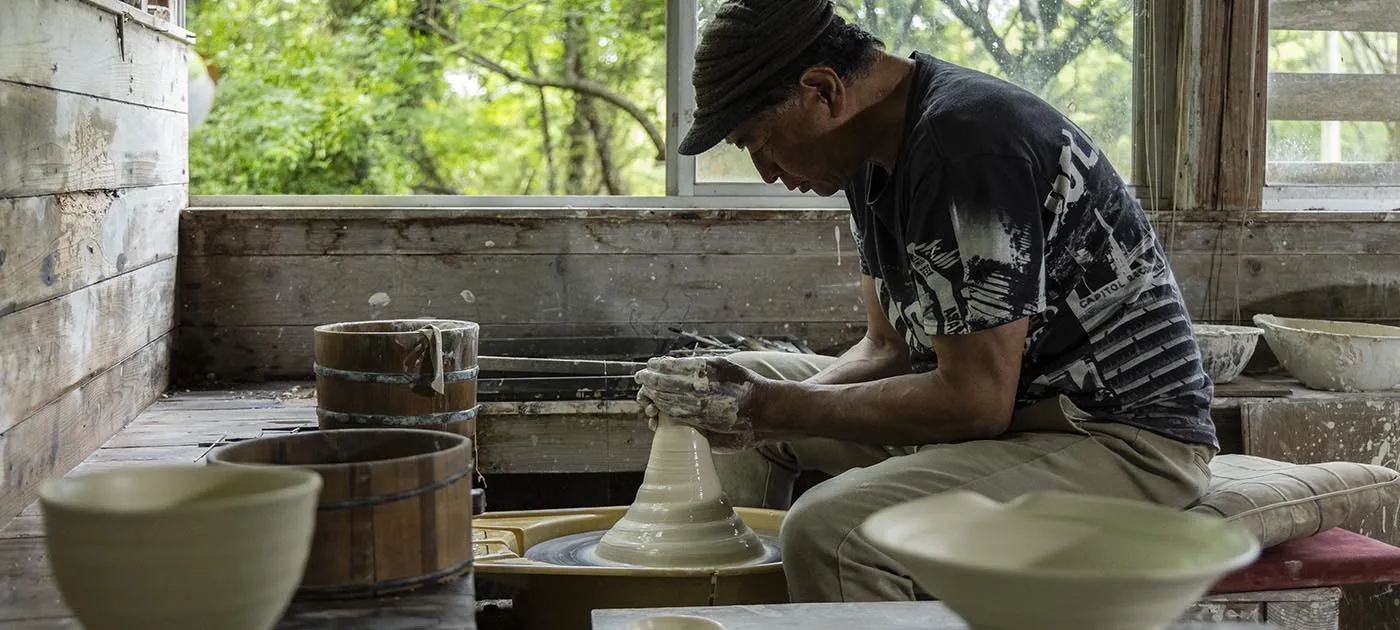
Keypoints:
pixel 977 244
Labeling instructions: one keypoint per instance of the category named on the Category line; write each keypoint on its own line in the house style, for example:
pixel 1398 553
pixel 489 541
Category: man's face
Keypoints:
pixel 793 143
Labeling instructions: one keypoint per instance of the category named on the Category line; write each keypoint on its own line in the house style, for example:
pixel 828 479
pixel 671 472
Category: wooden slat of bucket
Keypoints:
pixel 378 374
pixel 395 506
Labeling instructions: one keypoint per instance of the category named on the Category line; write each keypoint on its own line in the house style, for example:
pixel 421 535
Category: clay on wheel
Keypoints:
pixel 680 517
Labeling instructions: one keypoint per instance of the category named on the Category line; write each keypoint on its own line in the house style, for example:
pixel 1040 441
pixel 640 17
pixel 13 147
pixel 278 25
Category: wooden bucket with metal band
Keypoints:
pixel 395 509
pixel 408 373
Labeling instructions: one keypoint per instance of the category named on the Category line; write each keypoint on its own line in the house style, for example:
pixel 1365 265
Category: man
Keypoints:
pixel 1025 330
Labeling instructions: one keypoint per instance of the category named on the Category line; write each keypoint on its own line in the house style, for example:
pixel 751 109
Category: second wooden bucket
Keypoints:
pixel 408 373
pixel 395 507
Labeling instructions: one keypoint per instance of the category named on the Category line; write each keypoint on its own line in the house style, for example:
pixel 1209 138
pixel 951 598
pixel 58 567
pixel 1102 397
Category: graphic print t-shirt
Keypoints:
pixel 1000 209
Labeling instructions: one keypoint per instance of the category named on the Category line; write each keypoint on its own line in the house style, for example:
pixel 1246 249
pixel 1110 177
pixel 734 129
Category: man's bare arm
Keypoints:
pixel 881 353
pixel 970 396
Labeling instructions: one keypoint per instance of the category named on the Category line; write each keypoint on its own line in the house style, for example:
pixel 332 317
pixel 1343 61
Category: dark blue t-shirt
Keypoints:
pixel 999 208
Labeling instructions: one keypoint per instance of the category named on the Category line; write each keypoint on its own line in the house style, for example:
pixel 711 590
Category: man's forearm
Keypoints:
pixel 866 361
pixel 909 409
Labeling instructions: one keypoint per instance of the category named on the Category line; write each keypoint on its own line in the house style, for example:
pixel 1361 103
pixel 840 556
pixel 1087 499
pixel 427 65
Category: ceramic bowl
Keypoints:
pixel 1059 560
pixel 1225 349
pixel 165 547
pixel 674 622
pixel 1335 356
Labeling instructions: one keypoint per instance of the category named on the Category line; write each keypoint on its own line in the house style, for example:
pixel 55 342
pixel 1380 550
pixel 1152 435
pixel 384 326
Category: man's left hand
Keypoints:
pixel 711 394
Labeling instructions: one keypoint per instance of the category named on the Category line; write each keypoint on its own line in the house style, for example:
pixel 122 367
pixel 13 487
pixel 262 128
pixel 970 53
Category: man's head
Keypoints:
pixel 774 77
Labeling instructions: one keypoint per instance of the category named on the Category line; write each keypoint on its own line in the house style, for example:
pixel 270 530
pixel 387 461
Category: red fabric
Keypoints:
pixel 1335 557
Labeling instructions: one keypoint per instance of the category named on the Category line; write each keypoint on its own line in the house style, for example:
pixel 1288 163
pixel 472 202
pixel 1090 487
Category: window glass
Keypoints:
pixel 429 97
pixel 1077 54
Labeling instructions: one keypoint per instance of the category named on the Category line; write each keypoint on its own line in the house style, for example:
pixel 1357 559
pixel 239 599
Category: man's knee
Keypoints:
pixel 824 515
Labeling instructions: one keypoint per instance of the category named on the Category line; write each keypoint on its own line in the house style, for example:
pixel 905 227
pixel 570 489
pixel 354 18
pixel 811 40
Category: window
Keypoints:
pixel 1077 54
pixel 1334 94
pixel 457 97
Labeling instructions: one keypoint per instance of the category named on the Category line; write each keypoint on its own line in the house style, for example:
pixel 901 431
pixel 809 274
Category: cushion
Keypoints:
pixel 1278 501
pixel 1335 557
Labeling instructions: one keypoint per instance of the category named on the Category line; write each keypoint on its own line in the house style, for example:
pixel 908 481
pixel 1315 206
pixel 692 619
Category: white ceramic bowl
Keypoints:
pixel 675 622
pixel 164 547
pixel 1225 350
pixel 1335 356
pixel 1059 560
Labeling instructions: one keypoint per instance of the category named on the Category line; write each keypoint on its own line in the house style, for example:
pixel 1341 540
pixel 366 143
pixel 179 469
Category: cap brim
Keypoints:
pixel 705 134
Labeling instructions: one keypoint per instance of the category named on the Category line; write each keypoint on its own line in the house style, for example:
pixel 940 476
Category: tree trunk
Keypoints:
pixel 576 135
pixel 546 142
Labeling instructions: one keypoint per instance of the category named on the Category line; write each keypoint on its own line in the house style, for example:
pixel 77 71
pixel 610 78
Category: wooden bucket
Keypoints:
pixel 403 373
pixel 395 507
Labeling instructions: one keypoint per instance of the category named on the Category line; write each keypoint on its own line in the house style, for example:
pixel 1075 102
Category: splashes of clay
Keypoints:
pixel 468 296
pixel 379 300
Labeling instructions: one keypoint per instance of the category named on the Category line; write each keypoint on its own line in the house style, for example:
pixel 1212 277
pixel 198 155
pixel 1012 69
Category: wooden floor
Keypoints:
pixel 183 428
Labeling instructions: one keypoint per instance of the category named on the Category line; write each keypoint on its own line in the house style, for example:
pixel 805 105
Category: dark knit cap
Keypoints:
pixel 741 50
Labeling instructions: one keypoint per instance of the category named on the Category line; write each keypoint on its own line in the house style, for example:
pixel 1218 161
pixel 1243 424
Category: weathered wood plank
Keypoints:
pixel 1335 15
pixel 243 353
pixel 1313 96
pixel 56 244
pixel 63 433
pixel 1304 615
pixel 274 290
pixel 47 349
pixel 434 232
pixel 1356 428
pixel 72 46
pixel 1282 238
pixel 52 142
pixel 1356 287
pixel 1335 173
pixel 1240 185
pixel 602 436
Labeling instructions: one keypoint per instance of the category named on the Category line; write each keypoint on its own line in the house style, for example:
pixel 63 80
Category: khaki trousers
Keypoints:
pixel 1049 446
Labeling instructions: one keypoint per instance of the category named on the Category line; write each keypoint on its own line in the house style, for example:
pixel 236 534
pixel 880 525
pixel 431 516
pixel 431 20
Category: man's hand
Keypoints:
pixel 711 394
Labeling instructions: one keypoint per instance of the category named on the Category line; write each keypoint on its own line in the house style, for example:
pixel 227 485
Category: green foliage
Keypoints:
pixel 481 97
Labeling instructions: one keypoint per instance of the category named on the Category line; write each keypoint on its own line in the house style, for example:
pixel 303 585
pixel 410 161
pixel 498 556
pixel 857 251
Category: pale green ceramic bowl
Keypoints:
pixel 1059 560
pixel 167 547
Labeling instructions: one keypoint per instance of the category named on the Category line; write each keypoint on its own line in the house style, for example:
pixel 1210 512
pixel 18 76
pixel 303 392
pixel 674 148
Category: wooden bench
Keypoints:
pixel 1296 585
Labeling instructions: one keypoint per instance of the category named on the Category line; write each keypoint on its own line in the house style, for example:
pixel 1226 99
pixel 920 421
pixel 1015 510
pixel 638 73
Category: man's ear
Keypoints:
pixel 821 85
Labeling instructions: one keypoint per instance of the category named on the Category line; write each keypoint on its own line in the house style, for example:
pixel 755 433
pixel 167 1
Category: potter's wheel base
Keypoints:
pixel 579 550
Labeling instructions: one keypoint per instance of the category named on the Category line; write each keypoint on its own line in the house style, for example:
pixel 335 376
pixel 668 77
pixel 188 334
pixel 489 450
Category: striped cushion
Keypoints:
pixel 1278 501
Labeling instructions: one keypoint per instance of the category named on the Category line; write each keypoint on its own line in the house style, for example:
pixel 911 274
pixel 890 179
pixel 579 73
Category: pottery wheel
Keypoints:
pixel 577 550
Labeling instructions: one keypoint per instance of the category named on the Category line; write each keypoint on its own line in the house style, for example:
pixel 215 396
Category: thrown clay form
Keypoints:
pixel 675 622
pixel 178 547
pixel 1335 356
pixel 680 517
pixel 1072 561
pixel 1225 349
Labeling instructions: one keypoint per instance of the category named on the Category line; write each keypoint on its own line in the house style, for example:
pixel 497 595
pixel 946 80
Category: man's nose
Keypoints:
pixel 766 168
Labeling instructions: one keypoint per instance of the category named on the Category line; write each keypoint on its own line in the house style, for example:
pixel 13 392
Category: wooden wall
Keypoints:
pixel 92 180
pixel 254 282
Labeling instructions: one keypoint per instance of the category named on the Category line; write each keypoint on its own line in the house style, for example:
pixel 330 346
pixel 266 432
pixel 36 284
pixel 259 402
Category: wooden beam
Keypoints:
pixel 61 434
pixel 71 46
pixel 433 232
pixel 1240 185
pixel 52 142
pixel 52 347
pixel 1335 15
pixel 56 244
pixel 1326 96
pixel 299 290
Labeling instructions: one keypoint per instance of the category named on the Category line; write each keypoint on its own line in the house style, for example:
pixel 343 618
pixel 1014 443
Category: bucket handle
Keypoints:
pixel 433 335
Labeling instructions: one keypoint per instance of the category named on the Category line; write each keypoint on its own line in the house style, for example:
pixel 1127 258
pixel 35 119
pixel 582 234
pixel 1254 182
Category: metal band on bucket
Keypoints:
pixel 394 378
pixel 380 419
pixel 381 499
pixel 395 584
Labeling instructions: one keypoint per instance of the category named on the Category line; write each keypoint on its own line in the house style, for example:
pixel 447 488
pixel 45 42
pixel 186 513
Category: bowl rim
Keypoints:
pixel 707 622
pixel 1230 330
pixel 1249 553
pixel 302 481
pixel 1266 321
